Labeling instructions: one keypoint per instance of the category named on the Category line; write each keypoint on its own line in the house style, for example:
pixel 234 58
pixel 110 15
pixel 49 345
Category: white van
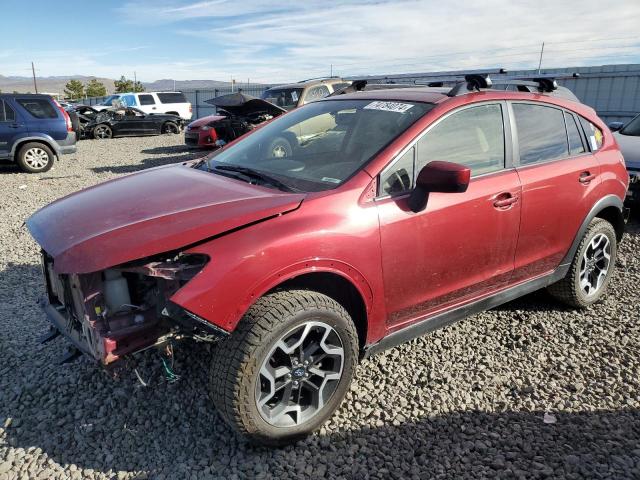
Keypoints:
pixel 153 102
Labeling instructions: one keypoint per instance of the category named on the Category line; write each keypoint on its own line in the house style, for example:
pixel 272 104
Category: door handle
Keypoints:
pixel 504 200
pixel 586 177
pixel 15 125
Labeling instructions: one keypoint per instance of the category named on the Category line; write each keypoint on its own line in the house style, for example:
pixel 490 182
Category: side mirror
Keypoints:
pixel 445 177
pixel 615 126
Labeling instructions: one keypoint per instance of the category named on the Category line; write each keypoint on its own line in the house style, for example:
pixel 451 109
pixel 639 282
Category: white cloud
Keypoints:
pixel 290 40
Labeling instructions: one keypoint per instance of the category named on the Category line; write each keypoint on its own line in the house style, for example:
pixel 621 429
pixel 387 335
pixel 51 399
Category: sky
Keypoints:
pixel 268 42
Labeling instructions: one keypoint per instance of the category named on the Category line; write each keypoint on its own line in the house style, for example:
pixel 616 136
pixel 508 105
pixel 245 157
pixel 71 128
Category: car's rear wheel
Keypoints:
pixel 286 367
pixel 102 131
pixel 591 269
pixel 35 157
pixel 170 128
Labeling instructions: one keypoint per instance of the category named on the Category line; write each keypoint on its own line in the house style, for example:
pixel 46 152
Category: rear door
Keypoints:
pixel 462 245
pixel 559 177
pixel 42 116
pixel 147 103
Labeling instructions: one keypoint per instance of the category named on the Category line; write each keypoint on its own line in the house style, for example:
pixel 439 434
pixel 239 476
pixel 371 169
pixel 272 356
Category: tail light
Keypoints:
pixel 66 116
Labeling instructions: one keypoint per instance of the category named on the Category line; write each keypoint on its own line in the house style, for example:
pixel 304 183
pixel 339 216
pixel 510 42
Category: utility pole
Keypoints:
pixel 331 70
pixel 33 70
pixel 135 82
pixel 540 62
pixel 174 84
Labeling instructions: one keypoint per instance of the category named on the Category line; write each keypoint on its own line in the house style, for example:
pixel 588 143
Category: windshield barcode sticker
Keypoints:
pixel 389 106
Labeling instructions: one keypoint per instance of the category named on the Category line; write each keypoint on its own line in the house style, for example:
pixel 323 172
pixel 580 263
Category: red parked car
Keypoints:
pixel 398 212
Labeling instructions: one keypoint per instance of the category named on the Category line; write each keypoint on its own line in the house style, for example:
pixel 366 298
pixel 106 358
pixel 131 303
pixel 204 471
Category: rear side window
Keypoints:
pixel 146 99
pixel 576 146
pixel 541 133
pixel 6 112
pixel 172 97
pixel 316 93
pixel 473 137
pixel 38 107
pixel 594 134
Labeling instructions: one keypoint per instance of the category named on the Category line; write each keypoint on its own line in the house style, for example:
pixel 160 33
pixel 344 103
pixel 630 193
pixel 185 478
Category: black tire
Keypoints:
pixel 569 290
pixel 280 148
pixel 102 132
pixel 171 128
pixel 34 157
pixel 236 364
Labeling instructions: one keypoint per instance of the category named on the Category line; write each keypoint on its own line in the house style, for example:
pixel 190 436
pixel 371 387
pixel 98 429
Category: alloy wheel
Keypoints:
pixel 299 374
pixel 595 264
pixel 101 132
pixel 36 158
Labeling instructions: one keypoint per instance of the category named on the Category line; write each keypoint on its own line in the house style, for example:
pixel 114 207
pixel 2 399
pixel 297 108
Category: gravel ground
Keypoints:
pixel 528 390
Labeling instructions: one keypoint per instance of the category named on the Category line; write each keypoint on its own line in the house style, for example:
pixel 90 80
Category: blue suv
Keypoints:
pixel 34 130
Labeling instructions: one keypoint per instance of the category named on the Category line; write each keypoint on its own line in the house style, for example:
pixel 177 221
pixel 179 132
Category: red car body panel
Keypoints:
pixel 144 214
pixel 406 266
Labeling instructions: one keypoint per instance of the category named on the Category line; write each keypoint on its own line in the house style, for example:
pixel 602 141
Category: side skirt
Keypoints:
pixel 444 319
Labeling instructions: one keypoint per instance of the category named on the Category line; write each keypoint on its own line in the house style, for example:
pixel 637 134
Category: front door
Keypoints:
pixel 10 127
pixel 462 245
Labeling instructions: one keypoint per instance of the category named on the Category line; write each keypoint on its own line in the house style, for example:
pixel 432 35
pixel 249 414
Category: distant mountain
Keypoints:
pixel 46 84
pixel 56 84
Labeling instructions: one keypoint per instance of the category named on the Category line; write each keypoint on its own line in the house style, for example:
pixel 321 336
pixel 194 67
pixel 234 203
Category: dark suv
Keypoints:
pixel 34 130
pixel 397 212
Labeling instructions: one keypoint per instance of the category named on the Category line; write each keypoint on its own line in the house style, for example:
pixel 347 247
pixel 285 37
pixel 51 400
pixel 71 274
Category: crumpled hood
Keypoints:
pixel 205 120
pixel 147 213
pixel 630 148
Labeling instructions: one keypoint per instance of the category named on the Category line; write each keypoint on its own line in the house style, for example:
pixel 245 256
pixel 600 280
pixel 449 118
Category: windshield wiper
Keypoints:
pixel 257 174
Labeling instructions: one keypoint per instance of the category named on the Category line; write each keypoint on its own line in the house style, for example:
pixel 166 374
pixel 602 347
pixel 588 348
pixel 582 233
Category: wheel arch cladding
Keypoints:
pixel 609 208
pixel 615 217
pixel 44 141
pixel 337 287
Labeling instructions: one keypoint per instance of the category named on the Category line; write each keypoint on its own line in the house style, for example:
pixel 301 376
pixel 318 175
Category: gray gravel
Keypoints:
pixel 466 402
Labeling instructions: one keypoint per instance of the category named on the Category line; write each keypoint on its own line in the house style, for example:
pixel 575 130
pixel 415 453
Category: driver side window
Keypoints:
pixel 473 137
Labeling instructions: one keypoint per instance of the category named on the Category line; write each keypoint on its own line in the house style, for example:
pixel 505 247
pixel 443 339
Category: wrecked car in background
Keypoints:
pixel 127 121
pixel 238 113
pixel 295 95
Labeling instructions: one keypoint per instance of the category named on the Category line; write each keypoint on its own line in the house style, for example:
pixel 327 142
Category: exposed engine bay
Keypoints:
pixel 125 309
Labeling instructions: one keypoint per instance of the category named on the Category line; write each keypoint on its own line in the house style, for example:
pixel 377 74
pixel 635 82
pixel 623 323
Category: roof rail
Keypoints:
pixel 318 78
pixel 546 83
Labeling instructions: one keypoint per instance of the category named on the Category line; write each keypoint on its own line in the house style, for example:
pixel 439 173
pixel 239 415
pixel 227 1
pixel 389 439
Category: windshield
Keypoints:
pixel 632 128
pixel 319 146
pixel 107 101
pixel 286 98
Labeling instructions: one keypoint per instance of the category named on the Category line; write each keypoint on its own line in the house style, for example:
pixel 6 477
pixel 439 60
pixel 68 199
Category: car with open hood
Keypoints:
pixel 399 212
pixel 237 114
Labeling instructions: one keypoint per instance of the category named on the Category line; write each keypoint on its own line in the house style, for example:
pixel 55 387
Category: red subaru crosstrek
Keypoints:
pixel 398 212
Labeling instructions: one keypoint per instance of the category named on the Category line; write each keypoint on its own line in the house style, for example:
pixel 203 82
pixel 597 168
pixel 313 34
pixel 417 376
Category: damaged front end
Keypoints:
pixel 126 308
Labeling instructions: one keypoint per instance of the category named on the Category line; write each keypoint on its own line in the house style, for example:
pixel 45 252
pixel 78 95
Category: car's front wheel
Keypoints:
pixel 102 131
pixel 591 268
pixel 35 158
pixel 286 367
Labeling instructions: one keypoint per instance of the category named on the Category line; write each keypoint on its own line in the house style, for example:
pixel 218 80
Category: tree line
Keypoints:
pixel 93 88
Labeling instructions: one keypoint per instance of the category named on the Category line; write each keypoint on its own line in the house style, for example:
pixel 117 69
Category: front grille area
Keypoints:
pixel 191 139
